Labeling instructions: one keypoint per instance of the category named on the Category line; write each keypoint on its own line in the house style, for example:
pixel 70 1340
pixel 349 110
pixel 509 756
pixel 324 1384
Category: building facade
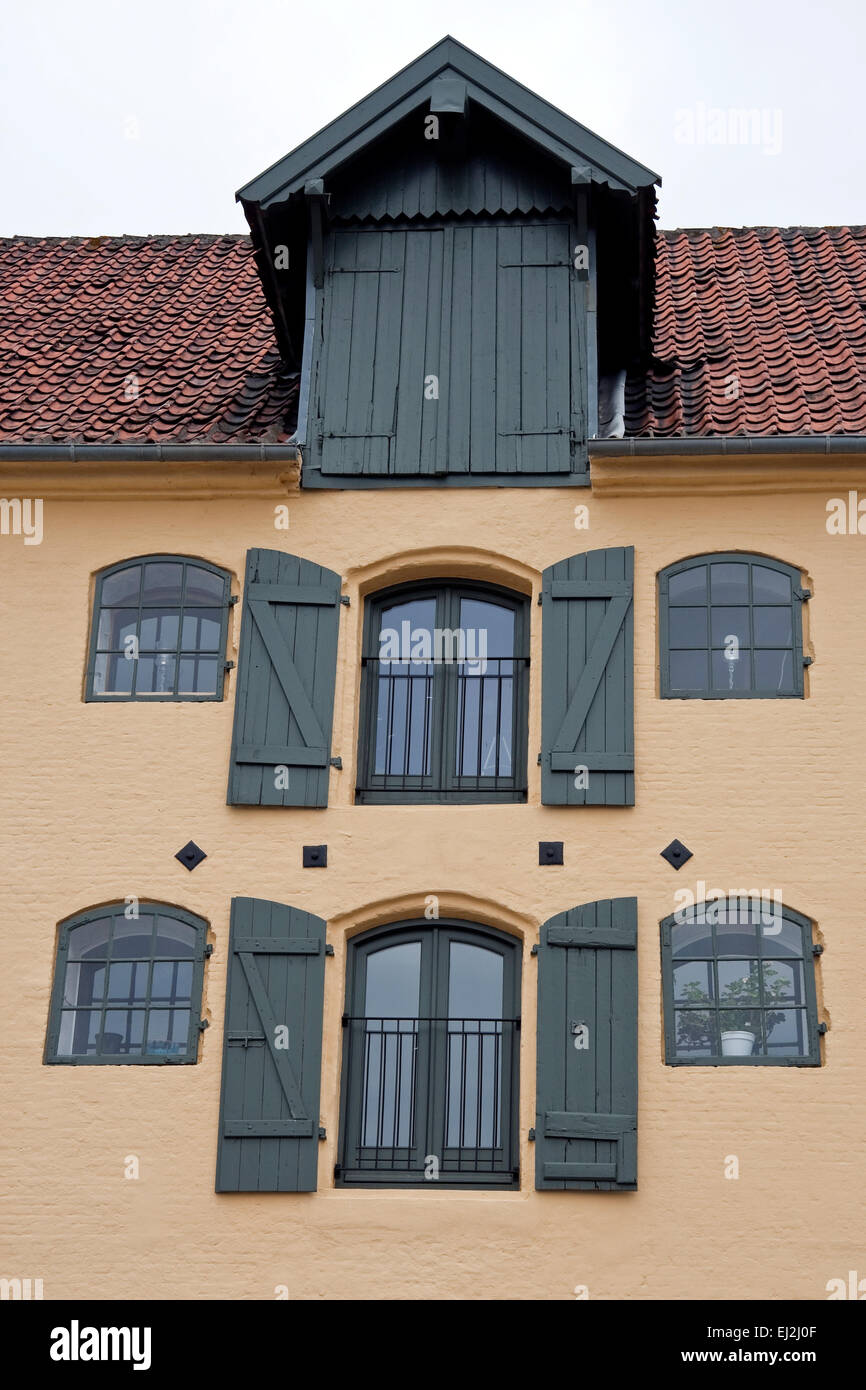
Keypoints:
pixel 433 733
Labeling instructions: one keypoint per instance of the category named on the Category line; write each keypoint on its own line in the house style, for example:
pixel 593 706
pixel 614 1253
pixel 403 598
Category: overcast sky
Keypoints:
pixel 144 116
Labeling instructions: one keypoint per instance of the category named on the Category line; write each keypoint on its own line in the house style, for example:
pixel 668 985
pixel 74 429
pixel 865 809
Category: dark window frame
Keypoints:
pixel 116 911
pixel 798 595
pixel 225 605
pixel 812 1058
pixel 432 993
pixel 393 788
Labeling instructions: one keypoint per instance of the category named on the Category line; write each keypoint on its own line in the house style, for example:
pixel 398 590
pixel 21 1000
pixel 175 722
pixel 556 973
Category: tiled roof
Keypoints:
pixel 169 339
pixel 758 330
pixel 138 340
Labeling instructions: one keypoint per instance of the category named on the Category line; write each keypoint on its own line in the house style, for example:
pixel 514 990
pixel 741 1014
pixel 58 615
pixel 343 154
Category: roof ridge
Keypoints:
pixel 209 238
pixel 149 238
pixel 762 227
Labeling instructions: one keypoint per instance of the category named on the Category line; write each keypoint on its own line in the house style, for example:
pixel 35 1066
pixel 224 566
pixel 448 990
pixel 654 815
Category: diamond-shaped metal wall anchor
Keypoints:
pixel 676 854
pixel 315 857
pixel 550 851
pixel 190 855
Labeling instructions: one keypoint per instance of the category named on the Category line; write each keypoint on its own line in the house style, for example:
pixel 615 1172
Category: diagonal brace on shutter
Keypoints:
pixel 299 704
pixel 285 1072
pixel 563 752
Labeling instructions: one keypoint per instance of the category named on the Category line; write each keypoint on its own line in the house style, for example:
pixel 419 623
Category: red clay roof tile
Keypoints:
pixel 758 330
pixel 156 339
pixel 138 340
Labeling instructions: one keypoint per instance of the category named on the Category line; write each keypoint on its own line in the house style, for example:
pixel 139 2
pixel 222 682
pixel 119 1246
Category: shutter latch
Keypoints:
pixel 803 594
pixel 228 665
pixel 323 1133
pixel 531 1136
pixel 203 1023
pixel 337 763
pixel 807 660
pixel 817 950
pixel 344 599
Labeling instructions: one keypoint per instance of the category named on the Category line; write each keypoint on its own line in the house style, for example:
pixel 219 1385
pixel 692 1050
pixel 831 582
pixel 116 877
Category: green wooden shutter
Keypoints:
pixel 381 320
pixel 360 351
pixel 587 680
pixel 272 1051
pixel 586 1098
pixel 284 697
pixel 539 382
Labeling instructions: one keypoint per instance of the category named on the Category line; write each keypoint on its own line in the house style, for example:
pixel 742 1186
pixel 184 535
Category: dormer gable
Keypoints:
pixel 453 265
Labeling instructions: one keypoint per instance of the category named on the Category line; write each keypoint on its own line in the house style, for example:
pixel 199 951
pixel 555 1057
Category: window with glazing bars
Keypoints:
pixel 430 1054
pixel 128 986
pixel 444 695
pixel 159 630
pixel 739 984
pixel 730 627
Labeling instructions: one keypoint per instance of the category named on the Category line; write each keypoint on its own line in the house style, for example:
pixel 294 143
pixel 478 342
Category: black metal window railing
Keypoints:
pixel 445 727
pixel 430 1098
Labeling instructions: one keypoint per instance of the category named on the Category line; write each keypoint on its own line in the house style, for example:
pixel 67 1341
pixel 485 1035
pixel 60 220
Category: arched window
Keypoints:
pixel 159 630
pixel 730 627
pixel 739 984
pixel 128 988
pixel 430 1054
pixel 444 694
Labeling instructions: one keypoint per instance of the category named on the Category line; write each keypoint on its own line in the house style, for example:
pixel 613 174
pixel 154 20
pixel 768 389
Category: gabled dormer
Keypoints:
pixel 454 266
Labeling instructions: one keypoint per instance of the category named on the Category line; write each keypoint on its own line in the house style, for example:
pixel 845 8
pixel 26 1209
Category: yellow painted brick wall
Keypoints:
pixel 97 798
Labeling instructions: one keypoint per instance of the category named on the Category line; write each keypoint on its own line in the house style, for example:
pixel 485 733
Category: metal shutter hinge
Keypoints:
pixel 344 599
pixel 803 594
pixel 539 599
pixel 817 950
pixel 534 951
pixel 208 950
pixel 344 1021
pixel 517 1024
pixel 329 950
pixel 807 660
pixel 337 763
pixel 203 1023
pixel 822 1027
pixel 539 760
pixel 323 1133
pixel 532 1136
pixel 228 665
pixel 233 598
pixel 337 1170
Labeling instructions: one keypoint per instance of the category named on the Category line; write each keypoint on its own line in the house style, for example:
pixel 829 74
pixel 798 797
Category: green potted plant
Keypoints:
pixel 740 1002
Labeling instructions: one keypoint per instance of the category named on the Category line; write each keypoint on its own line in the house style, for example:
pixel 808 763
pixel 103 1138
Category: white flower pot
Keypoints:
pixel 736 1044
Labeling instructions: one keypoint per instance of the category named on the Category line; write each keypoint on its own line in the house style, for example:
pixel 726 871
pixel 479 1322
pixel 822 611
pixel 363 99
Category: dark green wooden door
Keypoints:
pixel 586 1101
pixel 450 351
pixel 272 1050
